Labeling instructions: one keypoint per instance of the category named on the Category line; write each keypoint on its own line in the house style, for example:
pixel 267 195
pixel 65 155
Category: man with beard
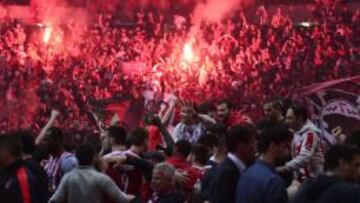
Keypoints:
pixel 228 117
pixel 273 110
pixel 307 147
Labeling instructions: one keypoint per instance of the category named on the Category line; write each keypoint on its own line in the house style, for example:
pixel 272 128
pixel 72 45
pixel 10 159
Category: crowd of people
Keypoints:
pixel 215 133
pixel 219 156
pixel 251 60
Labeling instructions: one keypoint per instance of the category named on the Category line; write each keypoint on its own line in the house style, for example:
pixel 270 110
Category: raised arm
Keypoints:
pixel 49 124
pixel 206 119
pixel 165 119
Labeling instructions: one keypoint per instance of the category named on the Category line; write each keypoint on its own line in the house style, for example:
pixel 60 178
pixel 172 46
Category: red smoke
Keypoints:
pixel 214 11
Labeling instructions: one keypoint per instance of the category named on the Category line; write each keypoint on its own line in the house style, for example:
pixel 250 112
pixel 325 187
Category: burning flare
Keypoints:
pixel 47 34
pixel 188 52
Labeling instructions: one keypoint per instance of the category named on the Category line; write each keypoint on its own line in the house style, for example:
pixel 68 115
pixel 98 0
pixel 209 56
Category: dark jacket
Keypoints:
pixel 261 184
pixel 312 189
pixel 171 197
pixel 19 183
pixel 341 193
pixel 223 185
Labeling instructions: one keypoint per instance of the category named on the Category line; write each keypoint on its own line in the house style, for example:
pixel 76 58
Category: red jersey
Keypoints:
pixel 193 173
pixel 236 117
pixel 155 137
pixel 127 177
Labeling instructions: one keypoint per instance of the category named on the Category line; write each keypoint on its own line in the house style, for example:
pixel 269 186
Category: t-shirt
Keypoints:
pixel 85 184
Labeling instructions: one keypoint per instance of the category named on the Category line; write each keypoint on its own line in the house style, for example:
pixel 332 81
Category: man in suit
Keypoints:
pixel 241 145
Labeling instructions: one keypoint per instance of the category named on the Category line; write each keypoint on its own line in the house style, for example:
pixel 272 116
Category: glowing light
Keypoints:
pixel 47 34
pixel 305 24
pixel 188 52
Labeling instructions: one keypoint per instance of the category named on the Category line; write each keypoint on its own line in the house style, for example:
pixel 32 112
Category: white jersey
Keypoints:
pixel 307 152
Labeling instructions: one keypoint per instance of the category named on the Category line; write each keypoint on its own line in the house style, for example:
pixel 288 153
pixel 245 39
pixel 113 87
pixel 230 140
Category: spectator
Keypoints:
pixel 190 128
pixel 163 184
pixel 260 182
pixel 307 147
pixel 340 165
pixel 59 161
pixel 273 109
pixel 241 145
pixel 179 160
pixel 116 136
pixel 341 192
pixel 133 176
pixel 18 183
pixel 28 146
pixel 229 117
pixel 200 157
pixel 86 184
pixel 255 58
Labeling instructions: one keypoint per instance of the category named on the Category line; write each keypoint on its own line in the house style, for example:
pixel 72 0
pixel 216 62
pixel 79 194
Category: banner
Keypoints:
pixel 333 105
pixel 128 109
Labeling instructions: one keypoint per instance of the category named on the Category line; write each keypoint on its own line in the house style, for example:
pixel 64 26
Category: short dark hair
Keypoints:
pixel 183 147
pixel 337 153
pixel 239 134
pixel 190 104
pixel 200 153
pixel 209 140
pixel 137 136
pixel 206 107
pixel 300 110
pixel 353 139
pixel 85 154
pixel 56 134
pixel 118 133
pixel 27 140
pixel 273 135
pixel 12 143
pixel 276 102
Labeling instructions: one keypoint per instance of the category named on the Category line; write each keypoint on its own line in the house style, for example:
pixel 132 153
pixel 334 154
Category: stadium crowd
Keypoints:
pixel 214 153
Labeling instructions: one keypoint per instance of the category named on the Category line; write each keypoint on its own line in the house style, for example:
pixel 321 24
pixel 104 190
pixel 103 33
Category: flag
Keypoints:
pixel 128 110
pixel 333 105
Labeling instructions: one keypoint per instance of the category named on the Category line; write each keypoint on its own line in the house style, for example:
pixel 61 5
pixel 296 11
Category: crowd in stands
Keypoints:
pixel 218 138
pixel 250 59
